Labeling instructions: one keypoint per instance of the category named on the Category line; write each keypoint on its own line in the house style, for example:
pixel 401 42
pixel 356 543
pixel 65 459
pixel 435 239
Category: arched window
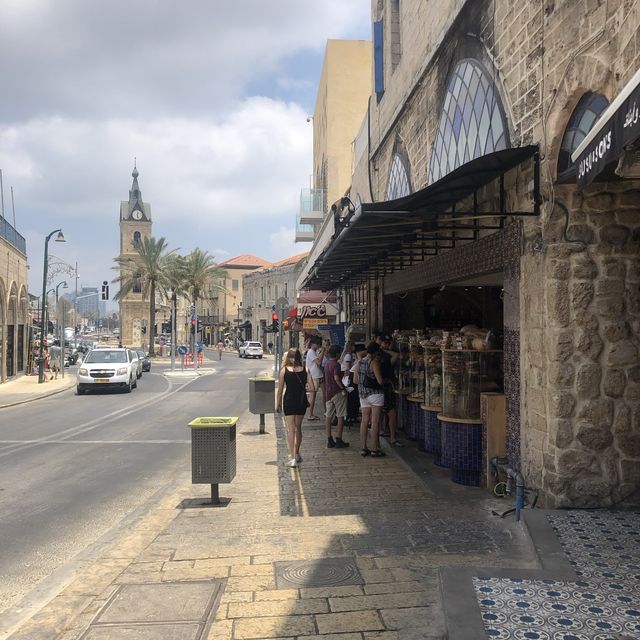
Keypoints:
pixel 398 185
pixel 136 238
pixel 472 122
pixel 137 284
pixel 584 116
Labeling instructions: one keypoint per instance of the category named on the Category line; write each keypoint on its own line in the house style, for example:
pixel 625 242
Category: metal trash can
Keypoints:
pixel 262 397
pixel 213 452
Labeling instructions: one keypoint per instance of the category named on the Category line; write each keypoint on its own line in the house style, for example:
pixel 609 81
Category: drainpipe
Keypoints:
pixel 516 476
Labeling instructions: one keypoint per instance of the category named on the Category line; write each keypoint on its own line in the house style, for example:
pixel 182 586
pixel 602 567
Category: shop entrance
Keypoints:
pixel 448 307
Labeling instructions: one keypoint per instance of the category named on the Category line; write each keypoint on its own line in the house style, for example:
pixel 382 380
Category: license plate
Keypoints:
pixel 102 379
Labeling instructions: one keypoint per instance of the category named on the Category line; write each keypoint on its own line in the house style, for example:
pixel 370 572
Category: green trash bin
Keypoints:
pixel 213 452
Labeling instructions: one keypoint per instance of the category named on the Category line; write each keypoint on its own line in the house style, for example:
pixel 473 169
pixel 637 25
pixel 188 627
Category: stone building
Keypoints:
pixel 471 173
pixel 262 289
pixel 135 224
pixel 343 91
pixel 225 307
pixel 15 320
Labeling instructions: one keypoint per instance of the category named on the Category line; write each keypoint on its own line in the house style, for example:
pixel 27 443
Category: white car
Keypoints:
pixel 108 368
pixel 250 350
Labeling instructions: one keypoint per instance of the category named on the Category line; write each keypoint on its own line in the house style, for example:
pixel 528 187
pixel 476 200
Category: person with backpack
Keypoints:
pixel 368 377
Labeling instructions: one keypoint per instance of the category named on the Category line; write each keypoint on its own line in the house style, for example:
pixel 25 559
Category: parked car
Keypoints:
pixel 250 350
pixel 144 358
pixel 108 368
pixel 137 362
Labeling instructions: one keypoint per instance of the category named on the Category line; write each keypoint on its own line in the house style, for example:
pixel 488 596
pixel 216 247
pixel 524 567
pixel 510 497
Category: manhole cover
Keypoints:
pixel 176 610
pixel 328 572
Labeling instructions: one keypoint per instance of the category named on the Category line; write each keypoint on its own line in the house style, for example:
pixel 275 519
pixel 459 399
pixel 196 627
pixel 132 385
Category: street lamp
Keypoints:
pixel 59 238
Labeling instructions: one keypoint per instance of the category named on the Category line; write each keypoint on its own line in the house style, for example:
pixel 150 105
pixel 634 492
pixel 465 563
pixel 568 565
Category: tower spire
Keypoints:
pixel 135 195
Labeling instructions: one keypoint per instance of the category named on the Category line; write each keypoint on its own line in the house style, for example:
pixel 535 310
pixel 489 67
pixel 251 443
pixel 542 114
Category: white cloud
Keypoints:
pixel 282 243
pixel 202 94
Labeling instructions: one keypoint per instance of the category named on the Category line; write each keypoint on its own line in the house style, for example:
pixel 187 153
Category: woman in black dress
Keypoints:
pixel 293 385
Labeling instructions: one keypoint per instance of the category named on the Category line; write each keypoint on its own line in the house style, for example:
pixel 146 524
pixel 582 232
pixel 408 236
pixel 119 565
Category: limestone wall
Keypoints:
pixel 13 305
pixel 578 276
pixel 581 345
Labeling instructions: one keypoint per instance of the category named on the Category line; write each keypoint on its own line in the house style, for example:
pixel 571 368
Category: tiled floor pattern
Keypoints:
pixel 604 548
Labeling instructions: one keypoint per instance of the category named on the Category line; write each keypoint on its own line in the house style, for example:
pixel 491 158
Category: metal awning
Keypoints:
pixel 617 128
pixel 381 237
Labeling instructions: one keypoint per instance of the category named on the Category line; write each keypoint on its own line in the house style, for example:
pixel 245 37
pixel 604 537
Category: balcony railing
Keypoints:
pixel 8 233
pixel 313 204
pixel 304 232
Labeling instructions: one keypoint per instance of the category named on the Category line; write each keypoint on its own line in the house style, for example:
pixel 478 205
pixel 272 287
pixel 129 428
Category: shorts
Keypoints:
pixel 337 406
pixel 316 382
pixel 374 400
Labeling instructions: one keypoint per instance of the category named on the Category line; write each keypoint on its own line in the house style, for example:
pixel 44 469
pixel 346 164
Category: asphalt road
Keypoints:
pixel 73 467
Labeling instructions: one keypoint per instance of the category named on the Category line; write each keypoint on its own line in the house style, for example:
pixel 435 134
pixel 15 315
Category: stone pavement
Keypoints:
pixel 341 548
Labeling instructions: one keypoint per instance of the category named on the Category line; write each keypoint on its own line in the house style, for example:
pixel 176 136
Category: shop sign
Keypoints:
pixel 312 311
pixel 312 323
pixel 622 128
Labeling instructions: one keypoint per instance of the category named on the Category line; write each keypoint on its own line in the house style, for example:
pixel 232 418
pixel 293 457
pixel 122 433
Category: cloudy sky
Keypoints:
pixel 211 97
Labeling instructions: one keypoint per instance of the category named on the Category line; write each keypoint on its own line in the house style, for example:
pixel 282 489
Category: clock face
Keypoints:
pixel 137 214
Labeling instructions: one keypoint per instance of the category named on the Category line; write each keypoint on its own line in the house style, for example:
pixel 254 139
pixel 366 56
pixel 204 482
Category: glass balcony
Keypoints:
pixel 313 204
pixel 304 232
pixel 8 233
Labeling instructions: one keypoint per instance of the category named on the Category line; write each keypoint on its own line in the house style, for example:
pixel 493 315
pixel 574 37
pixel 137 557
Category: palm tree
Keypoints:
pixel 146 273
pixel 201 277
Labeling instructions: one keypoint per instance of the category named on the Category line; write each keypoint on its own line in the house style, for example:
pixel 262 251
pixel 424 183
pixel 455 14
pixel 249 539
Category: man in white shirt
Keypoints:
pixel 315 375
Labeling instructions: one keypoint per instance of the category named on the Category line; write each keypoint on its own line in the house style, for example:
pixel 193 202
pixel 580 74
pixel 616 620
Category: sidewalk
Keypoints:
pixel 340 545
pixel 341 548
pixel 26 388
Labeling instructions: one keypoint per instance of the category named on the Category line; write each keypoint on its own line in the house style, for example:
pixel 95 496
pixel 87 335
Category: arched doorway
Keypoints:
pixel 3 308
pixel 12 316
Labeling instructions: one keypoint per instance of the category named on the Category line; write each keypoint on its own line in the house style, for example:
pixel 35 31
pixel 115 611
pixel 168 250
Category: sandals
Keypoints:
pixel 313 418
pixel 365 452
pixel 377 453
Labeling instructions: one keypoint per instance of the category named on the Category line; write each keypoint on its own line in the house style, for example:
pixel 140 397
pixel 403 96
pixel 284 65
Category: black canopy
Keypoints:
pixel 381 236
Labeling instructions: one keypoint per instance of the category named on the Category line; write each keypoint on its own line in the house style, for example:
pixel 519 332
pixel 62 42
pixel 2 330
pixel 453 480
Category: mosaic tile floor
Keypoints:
pixel 604 548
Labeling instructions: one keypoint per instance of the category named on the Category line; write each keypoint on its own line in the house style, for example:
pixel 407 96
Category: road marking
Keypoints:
pixel 95 441
pixel 92 424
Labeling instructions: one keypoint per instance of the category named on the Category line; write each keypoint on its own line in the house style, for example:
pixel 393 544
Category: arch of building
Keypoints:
pixel 399 181
pixel 472 119
pixel 580 329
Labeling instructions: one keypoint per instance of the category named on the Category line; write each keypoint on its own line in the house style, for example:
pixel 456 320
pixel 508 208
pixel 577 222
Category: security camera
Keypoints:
pixel 309 118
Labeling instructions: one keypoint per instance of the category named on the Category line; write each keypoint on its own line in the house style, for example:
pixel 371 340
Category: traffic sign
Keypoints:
pixel 182 350
pixel 100 323
pixel 273 307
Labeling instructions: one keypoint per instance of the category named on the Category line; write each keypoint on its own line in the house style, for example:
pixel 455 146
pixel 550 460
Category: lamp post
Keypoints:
pixel 59 238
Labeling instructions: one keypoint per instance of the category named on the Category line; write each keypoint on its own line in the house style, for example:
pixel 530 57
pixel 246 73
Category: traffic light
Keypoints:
pixel 285 325
pixel 275 324
pixel 193 325
pixel 105 290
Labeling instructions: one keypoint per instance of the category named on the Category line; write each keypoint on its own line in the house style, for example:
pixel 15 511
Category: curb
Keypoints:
pixel 38 397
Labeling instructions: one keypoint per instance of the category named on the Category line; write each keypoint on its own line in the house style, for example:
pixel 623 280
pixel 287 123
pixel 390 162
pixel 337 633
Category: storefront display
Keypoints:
pixel 416 363
pixel 433 376
pixel 465 374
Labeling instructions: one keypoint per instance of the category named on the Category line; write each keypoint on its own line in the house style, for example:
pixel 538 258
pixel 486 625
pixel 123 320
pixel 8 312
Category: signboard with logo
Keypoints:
pixel 620 128
pixel 312 323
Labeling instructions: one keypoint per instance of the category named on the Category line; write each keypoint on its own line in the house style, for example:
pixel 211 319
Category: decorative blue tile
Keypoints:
pixel 604 604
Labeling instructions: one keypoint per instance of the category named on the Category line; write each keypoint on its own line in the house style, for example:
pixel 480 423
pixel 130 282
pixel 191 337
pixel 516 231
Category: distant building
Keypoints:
pixel 135 224
pixel 88 307
pixel 224 310
pixel 14 302
pixel 262 289
pixel 343 92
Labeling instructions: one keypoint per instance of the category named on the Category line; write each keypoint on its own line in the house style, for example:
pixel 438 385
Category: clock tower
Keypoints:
pixel 135 224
